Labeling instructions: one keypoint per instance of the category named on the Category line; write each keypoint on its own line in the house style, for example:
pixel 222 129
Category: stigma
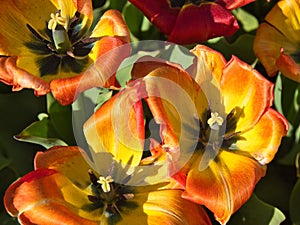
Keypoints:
pixel 215 121
pixel 105 183
pixel 56 19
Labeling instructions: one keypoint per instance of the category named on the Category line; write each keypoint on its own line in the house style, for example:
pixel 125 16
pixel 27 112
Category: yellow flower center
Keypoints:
pixel 105 183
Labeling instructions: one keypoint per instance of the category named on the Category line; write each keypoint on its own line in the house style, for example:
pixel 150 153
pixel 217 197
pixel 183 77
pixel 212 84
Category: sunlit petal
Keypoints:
pixel 219 186
pixel 247 92
pixel 126 132
pixel 265 137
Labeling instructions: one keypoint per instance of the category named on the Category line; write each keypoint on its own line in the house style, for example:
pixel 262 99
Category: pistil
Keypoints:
pixel 59 27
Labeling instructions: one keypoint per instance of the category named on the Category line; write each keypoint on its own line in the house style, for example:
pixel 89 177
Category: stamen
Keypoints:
pixel 105 183
pixel 215 120
pixel 55 20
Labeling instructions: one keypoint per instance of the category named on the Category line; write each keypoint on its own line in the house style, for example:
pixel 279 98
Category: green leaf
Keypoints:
pixel 178 54
pixel 134 19
pixel 255 212
pixel 7 220
pixel 18 109
pixel 290 100
pixel 4 162
pixel 42 133
pixel 61 120
pixel 82 109
pixel 117 4
pixel 295 203
pixel 242 47
pixel 248 21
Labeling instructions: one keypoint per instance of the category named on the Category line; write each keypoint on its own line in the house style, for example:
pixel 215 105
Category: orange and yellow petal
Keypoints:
pixel 109 52
pixel 112 24
pixel 174 106
pixel 288 67
pixel 71 161
pixel 167 207
pixel 85 7
pixel 281 32
pixel 284 17
pixel 263 140
pixel 122 135
pixel 219 186
pixel 246 91
pixel 214 61
pixel 267 44
pixel 10 74
pixel 40 197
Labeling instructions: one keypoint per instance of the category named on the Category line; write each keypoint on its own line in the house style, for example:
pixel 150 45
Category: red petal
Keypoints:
pixel 159 12
pixel 200 23
pixel 288 67
pixel 84 7
pixel 233 4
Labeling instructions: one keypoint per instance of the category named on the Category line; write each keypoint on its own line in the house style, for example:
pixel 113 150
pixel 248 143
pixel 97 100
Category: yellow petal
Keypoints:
pixel 112 24
pixel 248 92
pixel 263 140
pixel 166 207
pixel 118 128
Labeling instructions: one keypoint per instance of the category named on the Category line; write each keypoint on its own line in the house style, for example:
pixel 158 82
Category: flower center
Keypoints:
pixel 108 195
pixel 210 134
pixel 59 26
pixel 63 46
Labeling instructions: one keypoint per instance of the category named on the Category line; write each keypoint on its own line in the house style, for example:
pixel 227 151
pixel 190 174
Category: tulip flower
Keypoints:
pixel 187 22
pixel 49 45
pixel 63 189
pixel 277 40
pixel 224 127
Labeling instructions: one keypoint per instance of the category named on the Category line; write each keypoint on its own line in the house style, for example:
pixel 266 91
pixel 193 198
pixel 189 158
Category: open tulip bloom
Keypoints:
pixel 192 21
pixel 213 132
pixel 63 189
pixel 49 45
pixel 277 41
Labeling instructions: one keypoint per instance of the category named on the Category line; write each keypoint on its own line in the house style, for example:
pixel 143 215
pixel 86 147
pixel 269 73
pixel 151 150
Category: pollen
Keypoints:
pixel 215 120
pixel 55 20
pixel 105 183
